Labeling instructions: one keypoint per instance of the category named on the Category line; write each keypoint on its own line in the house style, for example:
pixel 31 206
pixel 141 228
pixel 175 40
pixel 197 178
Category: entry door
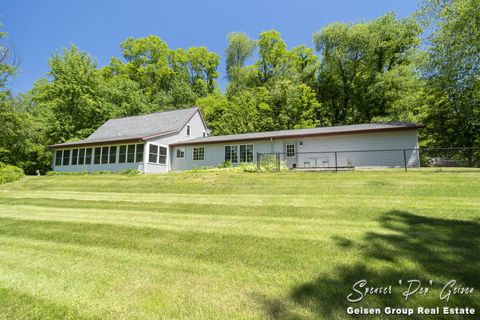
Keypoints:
pixel 290 151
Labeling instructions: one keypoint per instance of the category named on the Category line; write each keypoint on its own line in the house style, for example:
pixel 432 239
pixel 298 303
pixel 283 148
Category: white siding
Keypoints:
pixel 100 167
pixel 215 153
pixel 197 129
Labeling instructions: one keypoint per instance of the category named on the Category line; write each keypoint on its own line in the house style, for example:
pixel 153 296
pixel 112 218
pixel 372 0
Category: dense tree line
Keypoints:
pixel 387 69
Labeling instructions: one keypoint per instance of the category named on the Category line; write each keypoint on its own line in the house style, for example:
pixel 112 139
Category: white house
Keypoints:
pixel 178 140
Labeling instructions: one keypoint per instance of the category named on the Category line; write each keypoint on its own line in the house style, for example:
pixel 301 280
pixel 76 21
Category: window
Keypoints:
pixel 153 154
pixel 246 153
pixel 181 153
pixel 199 153
pixel 58 157
pixel 122 154
pixel 189 129
pixel 66 157
pixel 139 153
pixel 204 134
pixel 290 150
pixel 96 157
pixel 74 157
pixel 88 156
pixel 112 158
pixel 231 154
pixel 81 156
pixel 131 153
pixel 162 157
pixel 104 155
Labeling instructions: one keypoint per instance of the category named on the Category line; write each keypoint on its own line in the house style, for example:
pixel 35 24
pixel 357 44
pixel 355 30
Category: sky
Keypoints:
pixel 37 29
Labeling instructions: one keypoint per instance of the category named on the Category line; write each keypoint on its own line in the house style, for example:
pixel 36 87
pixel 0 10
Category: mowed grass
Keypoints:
pixel 232 245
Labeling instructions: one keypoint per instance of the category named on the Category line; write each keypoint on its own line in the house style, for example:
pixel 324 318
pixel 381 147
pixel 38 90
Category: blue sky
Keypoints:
pixel 38 28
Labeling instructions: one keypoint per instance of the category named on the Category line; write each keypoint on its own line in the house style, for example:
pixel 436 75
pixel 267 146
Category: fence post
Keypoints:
pixel 278 161
pixel 336 164
pixel 258 161
pixel 405 159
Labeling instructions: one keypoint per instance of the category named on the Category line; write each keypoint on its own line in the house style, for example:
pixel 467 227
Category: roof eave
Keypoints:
pixel 93 143
pixel 305 135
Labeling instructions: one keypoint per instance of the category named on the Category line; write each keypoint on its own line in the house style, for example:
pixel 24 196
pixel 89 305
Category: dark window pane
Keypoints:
pixel 74 157
pixel 180 152
pixel 113 155
pixel 162 155
pixel 249 152
pixel 66 157
pixel 104 155
pixel 88 156
pixel 58 157
pixel 96 158
pixel 81 156
pixel 122 155
pixel 131 153
pixel 228 155
pixel 243 153
pixel 139 153
pixel 234 156
pixel 189 128
pixel 152 157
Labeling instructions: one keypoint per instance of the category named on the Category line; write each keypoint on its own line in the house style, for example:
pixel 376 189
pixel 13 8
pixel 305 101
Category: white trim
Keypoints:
pixel 193 153
pixel 92 159
pixel 158 154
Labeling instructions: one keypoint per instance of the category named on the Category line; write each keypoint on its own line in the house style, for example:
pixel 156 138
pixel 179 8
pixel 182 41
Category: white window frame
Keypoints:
pixel 287 151
pixel 193 153
pixel 238 151
pixel 189 130
pixel 157 155
pixel 150 153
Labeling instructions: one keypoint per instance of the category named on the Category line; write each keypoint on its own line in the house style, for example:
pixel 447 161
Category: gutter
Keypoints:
pixel 305 135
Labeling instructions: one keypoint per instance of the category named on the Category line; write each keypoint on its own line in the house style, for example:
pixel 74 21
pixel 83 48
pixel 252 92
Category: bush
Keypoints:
pixel 268 163
pixel 225 164
pixel 9 173
pixel 129 172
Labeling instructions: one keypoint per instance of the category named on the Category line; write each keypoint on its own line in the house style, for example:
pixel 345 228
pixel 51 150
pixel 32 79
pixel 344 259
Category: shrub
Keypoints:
pixel 9 173
pixel 129 172
pixel 225 164
pixel 268 163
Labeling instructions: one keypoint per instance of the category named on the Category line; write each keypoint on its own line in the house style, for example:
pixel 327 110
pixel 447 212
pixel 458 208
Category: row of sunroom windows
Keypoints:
pixel 99 155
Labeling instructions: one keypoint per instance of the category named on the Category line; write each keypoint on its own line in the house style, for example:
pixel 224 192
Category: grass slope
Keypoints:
pixel 215 245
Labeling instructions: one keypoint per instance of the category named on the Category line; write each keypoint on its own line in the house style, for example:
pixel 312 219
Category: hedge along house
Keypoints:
pixel 178 140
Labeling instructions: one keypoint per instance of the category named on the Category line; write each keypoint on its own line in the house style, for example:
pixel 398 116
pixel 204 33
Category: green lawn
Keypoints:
pixel 232 245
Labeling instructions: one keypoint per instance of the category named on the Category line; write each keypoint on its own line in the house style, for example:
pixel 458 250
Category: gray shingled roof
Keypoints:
pixel 138 127
pixel 355 128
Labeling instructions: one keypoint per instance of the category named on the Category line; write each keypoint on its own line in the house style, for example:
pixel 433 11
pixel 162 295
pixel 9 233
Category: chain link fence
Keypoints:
pixel 374 159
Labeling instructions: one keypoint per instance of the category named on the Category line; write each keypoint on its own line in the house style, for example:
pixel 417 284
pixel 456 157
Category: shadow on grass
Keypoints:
pixel 18 305
pixel 408 247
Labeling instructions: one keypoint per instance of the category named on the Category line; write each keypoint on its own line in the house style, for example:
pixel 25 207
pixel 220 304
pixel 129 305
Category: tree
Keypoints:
pixel 452 73
pixel 71 105
pixel 240 48
pixel 365 66
pixel 7 67
pixel 168 78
